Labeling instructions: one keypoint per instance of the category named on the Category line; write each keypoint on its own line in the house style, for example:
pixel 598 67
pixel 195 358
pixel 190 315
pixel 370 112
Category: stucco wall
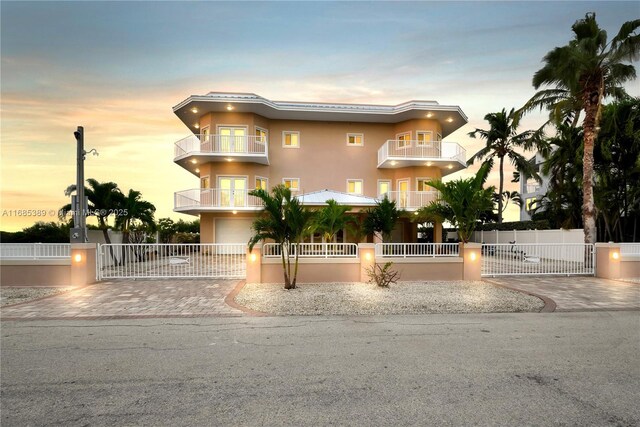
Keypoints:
pixel 35 272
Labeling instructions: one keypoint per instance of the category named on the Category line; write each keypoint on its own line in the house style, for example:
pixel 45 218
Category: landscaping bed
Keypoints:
pixel 15 295
pixel 400 298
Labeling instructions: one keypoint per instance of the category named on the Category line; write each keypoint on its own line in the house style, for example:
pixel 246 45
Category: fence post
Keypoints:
pixel 367 259
pixel 608 260
pixel 254 264
pixel 83 264
pixel 471 254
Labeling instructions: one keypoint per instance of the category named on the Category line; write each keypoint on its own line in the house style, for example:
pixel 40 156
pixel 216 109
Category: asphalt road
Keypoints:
pixel 498 369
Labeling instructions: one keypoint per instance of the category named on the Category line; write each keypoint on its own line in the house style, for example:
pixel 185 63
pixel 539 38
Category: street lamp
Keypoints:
pixel 79 231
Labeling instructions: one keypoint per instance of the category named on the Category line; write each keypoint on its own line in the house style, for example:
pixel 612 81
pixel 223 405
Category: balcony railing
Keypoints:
pixel 532 188
pixel 397 150
pixel 216 199
pixel 225 145
pixel 411 200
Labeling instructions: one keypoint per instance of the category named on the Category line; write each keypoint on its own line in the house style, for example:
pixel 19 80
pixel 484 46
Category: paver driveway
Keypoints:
pixel 577 292
pixel 129 298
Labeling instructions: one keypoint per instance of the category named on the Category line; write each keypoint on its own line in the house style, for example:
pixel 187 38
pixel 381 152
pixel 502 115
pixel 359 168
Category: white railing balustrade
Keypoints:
pixel 126 261
pixel 412 149
pixel 630 249
pixel 221 144
pixel 411 199
pixel 35 250
pixel 538 259
pixel 313 250
pixel 410 250
pixel 215 198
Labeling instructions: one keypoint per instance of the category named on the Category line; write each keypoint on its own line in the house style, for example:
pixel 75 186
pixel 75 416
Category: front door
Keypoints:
pixel 233 191
pixel 233 140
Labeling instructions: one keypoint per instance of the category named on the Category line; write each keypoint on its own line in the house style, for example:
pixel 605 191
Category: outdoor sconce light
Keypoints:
pixel 253 257
pixel 473 256
pixel 615 255
pixel 77 257
pixel 367 256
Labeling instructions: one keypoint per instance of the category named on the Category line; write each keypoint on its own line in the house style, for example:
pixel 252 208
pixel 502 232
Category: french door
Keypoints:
pixel 233 191
pixel 233 140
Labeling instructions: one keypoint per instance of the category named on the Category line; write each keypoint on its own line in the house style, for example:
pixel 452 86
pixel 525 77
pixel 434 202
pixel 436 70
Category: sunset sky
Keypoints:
pixel 118 68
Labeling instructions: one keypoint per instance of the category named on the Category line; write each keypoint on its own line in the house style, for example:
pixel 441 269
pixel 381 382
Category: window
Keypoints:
pixel 384 186
pixel 355 139
pixel 292 183
pixel 261 135
pixel 354 186
pixel 291 139
pixel 262 183
pixel 204 181
pixel 438 137
pixel 421 184
pixel 404 139
pixel 424 137
pixel 530 204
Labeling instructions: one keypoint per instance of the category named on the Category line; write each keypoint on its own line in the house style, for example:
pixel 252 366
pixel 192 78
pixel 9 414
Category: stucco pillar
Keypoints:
pixel 471 254
pixel 83 263
pixel 367 259
pixel 608 260
pixel 254 264
pixel 437 232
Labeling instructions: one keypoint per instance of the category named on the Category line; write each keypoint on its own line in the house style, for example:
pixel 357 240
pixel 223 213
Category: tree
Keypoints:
pixel 590 68
pixel 40 232
pixel 502 140
pixel 331 219
pixel 166 229
pixel 461 202
pixel 382 219
pixel 133 212
pixel 285 221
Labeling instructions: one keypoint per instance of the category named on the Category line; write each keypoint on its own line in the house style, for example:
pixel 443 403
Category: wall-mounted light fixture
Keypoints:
pixel 77 257
pixel 615 255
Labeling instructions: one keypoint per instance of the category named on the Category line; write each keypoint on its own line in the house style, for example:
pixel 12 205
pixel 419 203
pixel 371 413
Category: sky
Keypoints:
pixel 118 68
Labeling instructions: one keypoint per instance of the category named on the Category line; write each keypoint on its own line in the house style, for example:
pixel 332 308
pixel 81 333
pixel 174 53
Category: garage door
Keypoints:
pixel 233 230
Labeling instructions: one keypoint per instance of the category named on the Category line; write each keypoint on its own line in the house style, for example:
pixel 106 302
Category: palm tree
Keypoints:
pixel 133 210
pixel 590 68
pixel 331 219
pixel 502 140
pixel 285 221
pixel 382 219
pixel 461 202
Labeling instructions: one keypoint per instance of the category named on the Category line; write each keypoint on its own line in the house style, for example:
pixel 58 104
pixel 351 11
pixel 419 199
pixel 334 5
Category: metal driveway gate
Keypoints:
pixel 514 259
pixel 137 261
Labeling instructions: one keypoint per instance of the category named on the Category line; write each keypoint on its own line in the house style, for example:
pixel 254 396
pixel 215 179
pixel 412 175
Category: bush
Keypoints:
pixel 382 276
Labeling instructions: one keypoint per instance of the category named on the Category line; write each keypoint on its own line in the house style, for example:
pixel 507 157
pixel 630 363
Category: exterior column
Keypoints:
pixel 367 259
pixel 608 260
pixel 83 263
pixel 471 254
pixel 254 264
pixel 437 232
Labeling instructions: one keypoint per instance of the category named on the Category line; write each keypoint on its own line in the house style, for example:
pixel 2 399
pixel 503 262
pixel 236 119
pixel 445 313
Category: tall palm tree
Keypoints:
pixel 591 69
pixel 502 140
pixel 133 210
pixel 285 221
pixel 461 202
pixel 382 219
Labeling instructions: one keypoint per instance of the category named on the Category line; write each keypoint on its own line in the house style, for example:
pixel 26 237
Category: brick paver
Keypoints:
pixel 133 298
pixel 578 292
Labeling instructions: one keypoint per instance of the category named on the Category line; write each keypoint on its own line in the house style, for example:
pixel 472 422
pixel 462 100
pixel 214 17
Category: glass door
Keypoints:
pixel 233 140
pixel 403 192
pixel 233 191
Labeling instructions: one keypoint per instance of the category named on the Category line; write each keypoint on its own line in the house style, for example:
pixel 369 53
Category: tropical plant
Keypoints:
pixel 166 229
pixel 502 140
pixel 590 68
pixel 461 202
pixel 285 221
pixel 332 218
pixel 133 212
pixel 382 219
pixel 382 276
pixel 40 232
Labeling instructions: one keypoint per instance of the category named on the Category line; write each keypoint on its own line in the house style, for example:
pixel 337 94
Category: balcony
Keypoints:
pixel 200 200
pixel 411 200
pixel 196 149
pixel 448 156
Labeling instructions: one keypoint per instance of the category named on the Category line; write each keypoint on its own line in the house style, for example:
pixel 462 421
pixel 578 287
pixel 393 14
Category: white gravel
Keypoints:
pixel 401 298
pixel 15 295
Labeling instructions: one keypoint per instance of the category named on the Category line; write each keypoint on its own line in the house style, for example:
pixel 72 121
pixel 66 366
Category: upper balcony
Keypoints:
pixel 400 153
pixel 411 200
pixel 221 148
pixel 199 200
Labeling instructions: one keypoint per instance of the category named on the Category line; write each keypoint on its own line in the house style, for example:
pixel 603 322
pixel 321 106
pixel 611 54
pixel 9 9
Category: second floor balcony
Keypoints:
pixel 399 153
pixel 199 200
pixel 411 200
pixel 221 148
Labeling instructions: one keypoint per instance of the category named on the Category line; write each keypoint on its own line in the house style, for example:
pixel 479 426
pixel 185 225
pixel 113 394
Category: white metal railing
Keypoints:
pixel 313 250
pixel 629 248
pixel 538 259
pixel 120 261
pixel 215 198
pixel 35 250
pixel 221 144
pixel 407 250
pixel 532 188
pixel 411 149
pixel 411 199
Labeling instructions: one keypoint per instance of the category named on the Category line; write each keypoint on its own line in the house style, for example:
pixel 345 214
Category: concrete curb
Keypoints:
pixel 231 302
pixel 549 304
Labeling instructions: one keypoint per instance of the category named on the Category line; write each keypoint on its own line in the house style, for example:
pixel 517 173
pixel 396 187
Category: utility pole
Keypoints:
pixel 79 230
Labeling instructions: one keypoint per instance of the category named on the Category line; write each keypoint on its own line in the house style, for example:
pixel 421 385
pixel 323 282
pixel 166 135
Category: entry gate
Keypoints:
pixel 137 261
pixel 514 259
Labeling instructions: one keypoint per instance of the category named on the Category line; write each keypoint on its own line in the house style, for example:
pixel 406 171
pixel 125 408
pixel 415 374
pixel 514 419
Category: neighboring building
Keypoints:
pixel 531 190
pixel 353 153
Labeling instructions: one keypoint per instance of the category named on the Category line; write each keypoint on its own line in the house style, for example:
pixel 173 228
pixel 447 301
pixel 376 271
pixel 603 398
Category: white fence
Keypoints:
pixel 405 250
pixel 313 250
pixel 35 250
pixel 575 235
pixel 171 260
pixel 630 248
pixel 538 259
